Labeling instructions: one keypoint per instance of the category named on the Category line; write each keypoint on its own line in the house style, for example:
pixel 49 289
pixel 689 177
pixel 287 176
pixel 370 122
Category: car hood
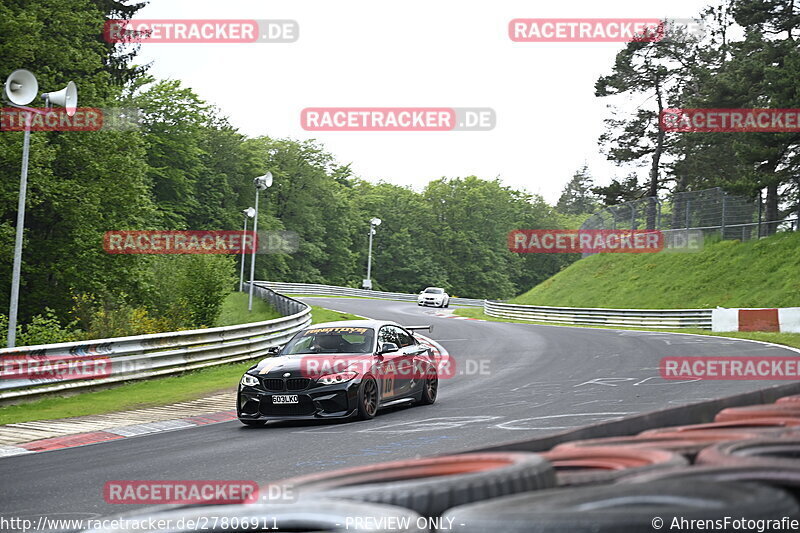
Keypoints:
pixel 310 365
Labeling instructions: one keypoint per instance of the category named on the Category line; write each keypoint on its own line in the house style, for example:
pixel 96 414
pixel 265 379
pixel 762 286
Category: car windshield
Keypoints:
pixel 330 340
pixel 430 290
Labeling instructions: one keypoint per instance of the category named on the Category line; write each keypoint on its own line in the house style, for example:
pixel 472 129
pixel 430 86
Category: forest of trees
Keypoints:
pixel 186 167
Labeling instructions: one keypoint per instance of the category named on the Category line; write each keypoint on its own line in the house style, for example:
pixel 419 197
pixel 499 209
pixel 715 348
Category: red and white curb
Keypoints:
pixel 43 435
pixel 786 320
pixel 450 314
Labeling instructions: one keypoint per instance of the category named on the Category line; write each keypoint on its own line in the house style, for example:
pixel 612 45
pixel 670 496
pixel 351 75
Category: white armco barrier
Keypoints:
pixel 31 370
pixel 785 319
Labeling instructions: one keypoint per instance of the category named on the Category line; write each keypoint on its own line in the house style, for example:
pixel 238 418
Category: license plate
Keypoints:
pixel 285 398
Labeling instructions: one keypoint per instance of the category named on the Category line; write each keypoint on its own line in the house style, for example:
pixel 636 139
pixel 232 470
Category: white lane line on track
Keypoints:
pixel 517 425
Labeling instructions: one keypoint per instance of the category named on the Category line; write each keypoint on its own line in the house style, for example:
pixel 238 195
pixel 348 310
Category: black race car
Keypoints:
pixel 339 370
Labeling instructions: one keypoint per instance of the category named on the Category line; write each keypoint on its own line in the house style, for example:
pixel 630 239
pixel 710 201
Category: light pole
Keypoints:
pixel 248 213
pixel 20 89
pixel 262 183
pixel 367 284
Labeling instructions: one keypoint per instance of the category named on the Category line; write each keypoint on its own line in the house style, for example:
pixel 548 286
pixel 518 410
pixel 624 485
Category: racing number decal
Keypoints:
pixel 388 379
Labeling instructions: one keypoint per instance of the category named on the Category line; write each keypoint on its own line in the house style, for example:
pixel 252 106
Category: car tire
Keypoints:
pixel 765 425
pixel 368 399
pixel 253 423
pixel 628 508
pixel 684 443
pixel 770 410
pixel 431 485
pixel 430 389
pixel 766 452
pixel 603 464
pixel 784 477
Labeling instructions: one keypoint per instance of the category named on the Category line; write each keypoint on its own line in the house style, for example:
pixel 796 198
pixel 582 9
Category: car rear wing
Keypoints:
pixel 415 328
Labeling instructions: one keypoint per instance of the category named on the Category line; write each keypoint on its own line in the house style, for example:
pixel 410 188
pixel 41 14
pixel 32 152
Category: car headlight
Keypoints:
pixel 249 381
pixel 339 377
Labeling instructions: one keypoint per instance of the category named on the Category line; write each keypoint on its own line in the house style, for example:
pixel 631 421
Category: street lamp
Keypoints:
pixel 367 283
pixel 262 183
pixel 248 213
pixel 20 90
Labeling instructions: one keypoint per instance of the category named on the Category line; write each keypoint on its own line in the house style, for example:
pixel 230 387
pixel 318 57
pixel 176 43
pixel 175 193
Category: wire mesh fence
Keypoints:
pixel 713 211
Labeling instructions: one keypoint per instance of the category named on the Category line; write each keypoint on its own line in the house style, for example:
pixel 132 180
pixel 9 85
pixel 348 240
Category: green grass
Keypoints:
pixel 234 310
pixel 321 314
pixel 787 339
pixel 131 395
pixel 758 273
pixel 159 391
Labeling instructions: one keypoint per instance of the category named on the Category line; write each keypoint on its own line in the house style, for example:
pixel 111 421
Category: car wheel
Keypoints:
pixel 447 304
pixel 430 389
pixel 253 423
pixel 368 398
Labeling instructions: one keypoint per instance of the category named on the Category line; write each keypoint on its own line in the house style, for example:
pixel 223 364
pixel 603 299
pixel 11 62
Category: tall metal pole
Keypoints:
pixel 244 256
pixel 253 257
pixel 15 273
pixel 369 255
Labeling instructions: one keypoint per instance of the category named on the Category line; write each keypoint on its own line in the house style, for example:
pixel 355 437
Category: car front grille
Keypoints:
pixel 291 384
pixel 275 384
pixel 295 384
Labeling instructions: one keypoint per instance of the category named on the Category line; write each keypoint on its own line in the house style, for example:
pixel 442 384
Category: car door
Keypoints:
pixel 387 367
pixel 408 372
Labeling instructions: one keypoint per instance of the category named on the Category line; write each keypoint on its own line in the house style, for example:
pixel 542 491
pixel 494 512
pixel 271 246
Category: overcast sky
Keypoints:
pixel 431 53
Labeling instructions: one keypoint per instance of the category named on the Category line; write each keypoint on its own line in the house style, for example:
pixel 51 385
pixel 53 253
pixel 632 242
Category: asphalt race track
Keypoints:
pixel 517 381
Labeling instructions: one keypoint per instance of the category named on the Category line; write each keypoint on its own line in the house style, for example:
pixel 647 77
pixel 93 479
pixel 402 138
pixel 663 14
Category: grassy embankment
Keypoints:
pixel 763 273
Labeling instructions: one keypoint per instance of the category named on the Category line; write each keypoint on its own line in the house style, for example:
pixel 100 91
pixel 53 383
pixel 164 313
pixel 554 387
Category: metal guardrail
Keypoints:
pixel 146 356
pixel 333 290
pixel 651 318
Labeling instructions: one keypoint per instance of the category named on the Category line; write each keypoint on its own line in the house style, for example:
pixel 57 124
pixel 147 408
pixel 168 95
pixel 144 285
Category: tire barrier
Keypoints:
pixel 602 464
pixel 766 425
pixel 319 516
pixel 770 410
pixel 684 443
pixel 793 399
pixel 786 477
pixel 429 486
pixel 623 507
pixel 777 453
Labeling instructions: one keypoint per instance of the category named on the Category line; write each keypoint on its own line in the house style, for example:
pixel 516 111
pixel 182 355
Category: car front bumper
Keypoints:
pixel 318 402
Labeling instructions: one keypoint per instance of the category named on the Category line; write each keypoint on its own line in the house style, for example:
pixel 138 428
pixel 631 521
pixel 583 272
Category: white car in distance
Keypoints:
pixel 434 296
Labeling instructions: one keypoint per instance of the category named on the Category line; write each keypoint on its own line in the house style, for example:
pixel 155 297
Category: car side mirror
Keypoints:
pixel 274 350
pixel 388 347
